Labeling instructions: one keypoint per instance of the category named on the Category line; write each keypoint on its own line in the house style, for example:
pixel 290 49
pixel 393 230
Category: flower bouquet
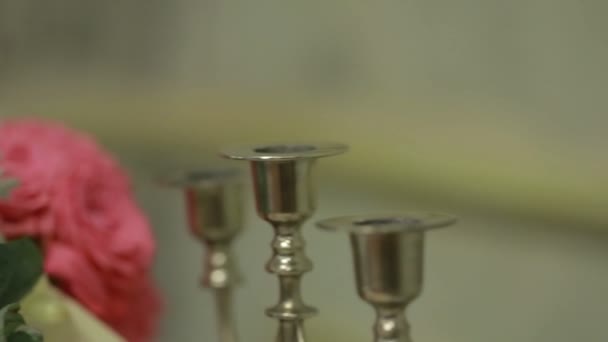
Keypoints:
pixel 75 205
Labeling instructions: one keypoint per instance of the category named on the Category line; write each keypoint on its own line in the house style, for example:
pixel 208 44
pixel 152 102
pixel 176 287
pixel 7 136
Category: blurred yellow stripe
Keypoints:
pixel 448 154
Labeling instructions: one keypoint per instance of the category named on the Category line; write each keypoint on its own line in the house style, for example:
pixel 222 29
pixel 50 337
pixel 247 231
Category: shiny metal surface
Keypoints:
pixel 285 198
pixel 213 202
pixel 284 151
pixel 214 209
pixel 388 253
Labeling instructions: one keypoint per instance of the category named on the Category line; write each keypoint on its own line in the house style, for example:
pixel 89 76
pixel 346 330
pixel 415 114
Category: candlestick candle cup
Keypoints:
pixel 388 253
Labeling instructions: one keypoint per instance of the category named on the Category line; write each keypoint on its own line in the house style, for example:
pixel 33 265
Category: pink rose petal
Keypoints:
pixel 77 202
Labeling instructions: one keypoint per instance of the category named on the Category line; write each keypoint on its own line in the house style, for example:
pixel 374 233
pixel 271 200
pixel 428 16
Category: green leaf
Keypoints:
pixel 25 334
pixel 20 337
pixel 20 268
pixel 11 318
pixel 13 328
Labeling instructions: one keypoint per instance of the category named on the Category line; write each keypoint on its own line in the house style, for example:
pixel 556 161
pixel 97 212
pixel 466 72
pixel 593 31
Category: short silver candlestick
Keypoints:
pixel 285 198
pixel 214 208
pixel 388 252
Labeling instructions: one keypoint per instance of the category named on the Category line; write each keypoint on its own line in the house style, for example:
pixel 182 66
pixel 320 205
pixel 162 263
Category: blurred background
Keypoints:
pixel 494 111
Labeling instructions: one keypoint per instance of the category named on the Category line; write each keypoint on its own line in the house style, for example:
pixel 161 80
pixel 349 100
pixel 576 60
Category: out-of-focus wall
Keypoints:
pixel 482 102
pixel 493 109
pixel 80 39
pixel 542 52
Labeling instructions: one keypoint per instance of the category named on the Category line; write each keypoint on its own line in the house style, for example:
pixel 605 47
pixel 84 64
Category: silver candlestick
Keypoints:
pixel 214 209
pixel 388 259
pixel 285 197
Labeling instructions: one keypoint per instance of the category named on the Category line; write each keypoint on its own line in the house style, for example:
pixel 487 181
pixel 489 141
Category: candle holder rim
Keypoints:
pixel 283 151
pixel 385 223
pixel 201 177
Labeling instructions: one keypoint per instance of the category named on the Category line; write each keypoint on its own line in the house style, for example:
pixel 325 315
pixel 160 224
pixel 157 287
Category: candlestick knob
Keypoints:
pixel 388 252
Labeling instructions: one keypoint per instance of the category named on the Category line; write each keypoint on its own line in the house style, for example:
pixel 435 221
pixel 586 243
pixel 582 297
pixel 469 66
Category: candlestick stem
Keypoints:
pixel 289 263
pixel 223 302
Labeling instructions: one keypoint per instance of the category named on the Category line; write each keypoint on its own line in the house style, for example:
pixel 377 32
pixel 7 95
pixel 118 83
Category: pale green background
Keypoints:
pixel 494 111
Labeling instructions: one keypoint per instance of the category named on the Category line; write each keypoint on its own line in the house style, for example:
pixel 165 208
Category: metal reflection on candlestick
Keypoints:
pixel 388 259
pixel 214 209
pixel 285 197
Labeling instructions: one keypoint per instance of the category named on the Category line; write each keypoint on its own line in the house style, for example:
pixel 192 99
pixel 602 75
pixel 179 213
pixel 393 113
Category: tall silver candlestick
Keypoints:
pixel 388 253
pixel 285 197
pixel 214 208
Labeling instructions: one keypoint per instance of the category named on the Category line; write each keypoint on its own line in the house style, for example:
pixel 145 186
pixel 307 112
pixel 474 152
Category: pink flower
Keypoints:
pixel 77 202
